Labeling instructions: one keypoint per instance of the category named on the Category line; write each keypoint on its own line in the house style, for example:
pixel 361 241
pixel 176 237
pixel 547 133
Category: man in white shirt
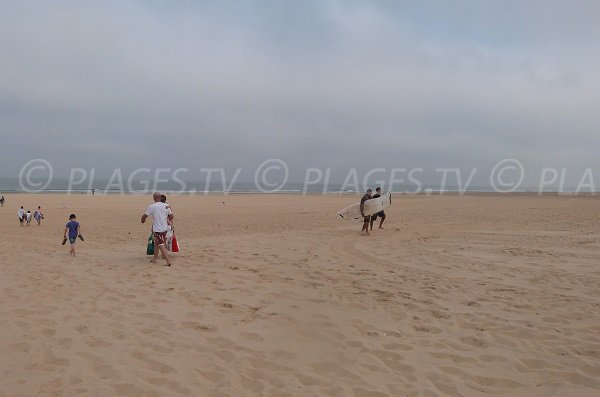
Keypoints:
pixel 160 214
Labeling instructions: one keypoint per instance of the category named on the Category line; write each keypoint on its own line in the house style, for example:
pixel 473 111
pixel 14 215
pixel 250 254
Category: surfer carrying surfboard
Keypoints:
pixel 380 214
pixel 366 218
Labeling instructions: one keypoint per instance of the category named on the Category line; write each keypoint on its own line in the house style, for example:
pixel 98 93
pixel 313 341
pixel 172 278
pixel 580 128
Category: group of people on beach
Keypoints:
pixel 162 237
pixel 162 228
pixel 162 233
pixel 26 217
pixel 368 220
pixel 72 228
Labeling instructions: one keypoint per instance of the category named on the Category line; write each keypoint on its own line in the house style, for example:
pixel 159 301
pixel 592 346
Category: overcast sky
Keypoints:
pixel 335 84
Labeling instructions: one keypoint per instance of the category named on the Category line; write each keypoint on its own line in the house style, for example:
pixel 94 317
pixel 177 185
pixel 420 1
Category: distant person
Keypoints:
pixel 366 218
pixel 28 217
pixel 38 215
pixel 21 215
pixel 73 228
pixel 159 212
pixel 2 201
pixel 93 191
pixel 380 214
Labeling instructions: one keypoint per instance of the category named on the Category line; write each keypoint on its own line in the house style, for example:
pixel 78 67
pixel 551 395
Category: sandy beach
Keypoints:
pixel 273 296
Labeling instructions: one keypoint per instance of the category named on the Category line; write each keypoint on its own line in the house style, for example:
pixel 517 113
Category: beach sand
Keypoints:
pixel 273 296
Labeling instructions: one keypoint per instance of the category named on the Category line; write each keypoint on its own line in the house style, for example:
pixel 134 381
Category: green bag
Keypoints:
pixel 150 247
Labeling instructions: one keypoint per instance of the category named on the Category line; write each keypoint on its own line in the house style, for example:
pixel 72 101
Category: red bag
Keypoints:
pixel 174 245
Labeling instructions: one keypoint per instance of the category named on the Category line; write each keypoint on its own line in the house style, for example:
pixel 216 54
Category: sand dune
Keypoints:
pixel 272 296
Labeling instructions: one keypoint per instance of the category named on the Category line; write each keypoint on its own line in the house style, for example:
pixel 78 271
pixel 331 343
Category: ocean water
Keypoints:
pixel 61 186
pixel 13 185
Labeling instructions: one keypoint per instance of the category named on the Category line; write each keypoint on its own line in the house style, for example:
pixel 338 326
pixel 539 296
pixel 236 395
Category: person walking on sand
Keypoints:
pixel 366 218
pixel 74 230
pixel 28 217
pixel 160 214
pixel 380 214
pixel 2 201
pixel 38 216
pixel 21 215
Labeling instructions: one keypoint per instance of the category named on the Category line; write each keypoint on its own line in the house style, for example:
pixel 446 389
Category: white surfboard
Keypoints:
pixel 372 206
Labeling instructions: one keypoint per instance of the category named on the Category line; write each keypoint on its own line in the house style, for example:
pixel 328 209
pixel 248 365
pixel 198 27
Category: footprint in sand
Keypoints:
pixel 64 342
pixel 106 372
pixel 48 332
pixel 160 348
pixel 455 358
pixel 397 346
pixel 226 356
pixel 431 330
pixel 212 376
pixel 128 390
pixel 355 344
pixel 251 384
pixel 157 366
pixel 473 341
pixel 20 347
pixel 196 326
pixel 252 336
pixel 170 385
pixel 118 334
pixel 489 381
pixel 51 359
pixel 534 364
pixel 307 380
pixel 360 392
pixel 283 355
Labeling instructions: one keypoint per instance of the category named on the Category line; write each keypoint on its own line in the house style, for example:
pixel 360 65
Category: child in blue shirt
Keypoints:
pixel 74 230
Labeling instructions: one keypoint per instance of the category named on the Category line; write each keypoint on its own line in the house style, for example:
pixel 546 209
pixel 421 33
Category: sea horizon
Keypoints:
pixel 61 186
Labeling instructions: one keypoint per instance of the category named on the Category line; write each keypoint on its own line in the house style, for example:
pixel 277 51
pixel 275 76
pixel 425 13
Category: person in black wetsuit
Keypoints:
pixel 366 218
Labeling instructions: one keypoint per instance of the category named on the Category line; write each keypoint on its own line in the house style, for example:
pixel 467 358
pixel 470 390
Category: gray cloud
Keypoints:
pixel 320 84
